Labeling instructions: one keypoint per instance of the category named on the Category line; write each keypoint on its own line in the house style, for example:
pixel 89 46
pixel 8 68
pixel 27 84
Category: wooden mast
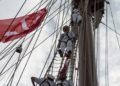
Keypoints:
pixel 87 67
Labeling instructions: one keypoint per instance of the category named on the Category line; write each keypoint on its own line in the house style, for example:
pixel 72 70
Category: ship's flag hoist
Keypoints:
pixel 75 51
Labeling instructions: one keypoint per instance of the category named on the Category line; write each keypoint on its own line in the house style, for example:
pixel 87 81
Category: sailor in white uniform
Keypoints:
pixel 66 42
pixel 76 17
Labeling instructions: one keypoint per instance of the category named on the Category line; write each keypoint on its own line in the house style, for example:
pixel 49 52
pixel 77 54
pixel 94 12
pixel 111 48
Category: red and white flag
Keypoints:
pixel 21 25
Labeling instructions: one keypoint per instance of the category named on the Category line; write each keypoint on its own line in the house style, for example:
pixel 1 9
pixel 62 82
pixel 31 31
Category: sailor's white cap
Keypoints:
pixel 50 76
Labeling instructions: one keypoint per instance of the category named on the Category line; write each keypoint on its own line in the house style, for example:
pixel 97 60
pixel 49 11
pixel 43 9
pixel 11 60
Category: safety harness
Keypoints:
pixel 69 38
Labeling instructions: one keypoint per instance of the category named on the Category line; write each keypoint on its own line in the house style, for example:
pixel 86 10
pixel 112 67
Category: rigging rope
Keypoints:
pixel 57 33
pixel 106 51
pixel 17 84
pixel 8 50
pixel 29 12
pixel 14 18
pixel 8 62
pixel 25 15
pixel 29 55
pixel 51 18
pixel 44 24
pixel 110 28
pixel 12 78
pixel 98 53
pixel 51 50
pixel 114 26
pixel 52 64
pixel 31 51
pixel 56 37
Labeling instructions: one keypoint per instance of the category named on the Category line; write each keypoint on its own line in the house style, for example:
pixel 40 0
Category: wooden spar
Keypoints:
pixel 87 67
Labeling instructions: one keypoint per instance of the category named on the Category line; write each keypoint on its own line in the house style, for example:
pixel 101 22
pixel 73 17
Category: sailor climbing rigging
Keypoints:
pixel 76 20
pixel 66 42
pixel 48 81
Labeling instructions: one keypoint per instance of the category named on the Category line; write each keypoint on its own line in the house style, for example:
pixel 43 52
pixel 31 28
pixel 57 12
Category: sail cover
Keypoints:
pixel 11 29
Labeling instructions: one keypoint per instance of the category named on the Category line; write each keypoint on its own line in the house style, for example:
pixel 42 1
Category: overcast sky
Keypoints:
pixel 9 9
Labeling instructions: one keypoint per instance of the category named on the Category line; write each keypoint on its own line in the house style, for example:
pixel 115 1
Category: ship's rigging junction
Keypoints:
pixel 44 33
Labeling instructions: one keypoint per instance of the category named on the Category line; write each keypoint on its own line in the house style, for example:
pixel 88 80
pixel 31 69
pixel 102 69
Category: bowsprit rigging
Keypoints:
pixel 71 57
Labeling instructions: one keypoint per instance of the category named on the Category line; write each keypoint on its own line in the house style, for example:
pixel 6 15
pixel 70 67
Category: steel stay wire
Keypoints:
pixel 17 15
pixel 9 49
pixel 7 62
pixel 28 59
pixel 5 48
pixel 98 53
pixel 50 52
pixel 110 28
pixel 114 26
pixel 46 60
pixel 37 46
pixel 12 77
pixel 13 19
pixel 54 45
pixel 26 14
pixel 48 70
pixel 96 63
pixel 106 64
pixel 32 9
pixel 9 68
pixel 30 51
pixel 9 59
pixel 61 64
pixel 106 51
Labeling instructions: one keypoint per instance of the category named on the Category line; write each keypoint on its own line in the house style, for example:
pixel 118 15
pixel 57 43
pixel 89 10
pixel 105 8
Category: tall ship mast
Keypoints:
pixel 91 10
